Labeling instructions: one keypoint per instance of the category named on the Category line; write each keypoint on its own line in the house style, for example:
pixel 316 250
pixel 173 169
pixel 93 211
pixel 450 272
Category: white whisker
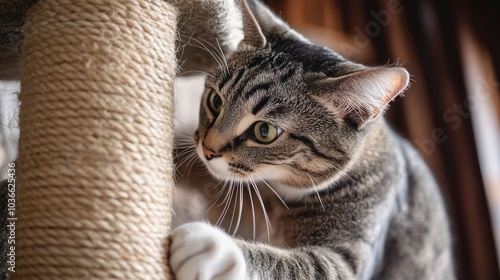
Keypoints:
pixel 253 209
pixel 191 164
pixel 219 194
pixel 214 55
pixel 184 142
pixel 227 204
pixel 227 193
pixel 193 155
pixel 222 55
pixel 279 197
pixel 234 210
pixel 197 72
pixel 188 151
pixel 240 188
pixel 182 47
pixel 266 218
pixel 317 193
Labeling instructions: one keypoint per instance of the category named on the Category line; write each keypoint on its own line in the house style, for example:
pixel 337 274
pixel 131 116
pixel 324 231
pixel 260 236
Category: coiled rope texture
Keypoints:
pixel 94 170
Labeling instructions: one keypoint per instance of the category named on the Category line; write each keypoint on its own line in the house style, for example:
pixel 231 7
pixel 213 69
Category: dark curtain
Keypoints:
pixel 445 45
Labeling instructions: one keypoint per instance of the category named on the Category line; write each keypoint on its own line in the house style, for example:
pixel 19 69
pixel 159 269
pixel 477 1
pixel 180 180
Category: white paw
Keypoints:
pixel 201 252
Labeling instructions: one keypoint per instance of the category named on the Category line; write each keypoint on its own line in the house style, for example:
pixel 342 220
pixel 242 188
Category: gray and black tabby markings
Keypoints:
pixel 360 201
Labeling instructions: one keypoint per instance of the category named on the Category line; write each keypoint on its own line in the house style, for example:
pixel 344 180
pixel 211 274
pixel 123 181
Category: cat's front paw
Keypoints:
pixel 201 252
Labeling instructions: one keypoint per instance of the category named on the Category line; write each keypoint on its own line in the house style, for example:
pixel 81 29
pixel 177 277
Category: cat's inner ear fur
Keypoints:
pixel 251 28
pixel 363 95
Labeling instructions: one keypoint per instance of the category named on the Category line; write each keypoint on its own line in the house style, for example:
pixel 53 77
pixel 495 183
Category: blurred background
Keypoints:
pixel 451 112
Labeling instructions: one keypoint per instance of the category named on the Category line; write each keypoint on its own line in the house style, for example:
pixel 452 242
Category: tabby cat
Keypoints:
pixel 309 180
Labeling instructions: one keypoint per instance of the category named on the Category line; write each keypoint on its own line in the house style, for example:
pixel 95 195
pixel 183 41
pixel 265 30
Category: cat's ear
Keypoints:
pixel 251 28
pixel 364 95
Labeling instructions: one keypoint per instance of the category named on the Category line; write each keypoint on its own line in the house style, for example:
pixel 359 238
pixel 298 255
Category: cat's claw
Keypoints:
pixel 201 252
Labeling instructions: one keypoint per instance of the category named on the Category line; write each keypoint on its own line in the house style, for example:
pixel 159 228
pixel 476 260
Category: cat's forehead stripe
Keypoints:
pixel 225 78
pixel 238 78
pixel 260 105
pixel 255 62
pixel 252 91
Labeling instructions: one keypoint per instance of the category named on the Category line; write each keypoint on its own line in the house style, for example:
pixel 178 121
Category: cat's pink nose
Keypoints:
pixel 208 153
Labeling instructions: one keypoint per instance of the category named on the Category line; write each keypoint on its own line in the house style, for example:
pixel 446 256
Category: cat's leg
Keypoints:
pixel 200 251
pixel 302 263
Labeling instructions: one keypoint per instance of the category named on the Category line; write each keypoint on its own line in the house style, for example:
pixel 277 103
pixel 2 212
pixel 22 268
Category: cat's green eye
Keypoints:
pixel 215 102
pixel 265 133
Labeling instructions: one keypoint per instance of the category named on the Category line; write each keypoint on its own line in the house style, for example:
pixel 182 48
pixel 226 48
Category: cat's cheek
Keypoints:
pixel 201 251
pixel 276 173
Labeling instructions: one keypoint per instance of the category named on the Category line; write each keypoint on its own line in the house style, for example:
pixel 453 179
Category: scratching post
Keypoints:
pixel 94 172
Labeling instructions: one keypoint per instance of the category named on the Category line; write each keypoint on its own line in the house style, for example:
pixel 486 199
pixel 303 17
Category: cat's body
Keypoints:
pixel 359 202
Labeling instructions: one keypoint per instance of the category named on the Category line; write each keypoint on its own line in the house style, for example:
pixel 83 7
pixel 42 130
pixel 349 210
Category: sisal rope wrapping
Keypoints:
pixel 94 170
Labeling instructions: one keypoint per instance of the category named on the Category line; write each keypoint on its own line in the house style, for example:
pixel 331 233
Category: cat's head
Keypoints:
pixel 285 110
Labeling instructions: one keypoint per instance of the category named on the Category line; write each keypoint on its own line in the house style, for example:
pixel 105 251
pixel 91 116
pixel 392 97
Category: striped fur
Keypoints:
pixel 346 197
